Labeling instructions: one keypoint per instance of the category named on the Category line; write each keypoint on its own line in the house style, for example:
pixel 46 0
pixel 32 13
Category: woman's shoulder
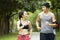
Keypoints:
pixel 29 21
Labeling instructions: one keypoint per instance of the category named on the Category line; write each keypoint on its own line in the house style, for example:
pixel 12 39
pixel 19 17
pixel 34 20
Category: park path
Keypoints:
pixel 35 36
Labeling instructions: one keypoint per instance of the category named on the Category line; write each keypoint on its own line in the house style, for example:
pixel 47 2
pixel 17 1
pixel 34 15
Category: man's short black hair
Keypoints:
pixel 46 4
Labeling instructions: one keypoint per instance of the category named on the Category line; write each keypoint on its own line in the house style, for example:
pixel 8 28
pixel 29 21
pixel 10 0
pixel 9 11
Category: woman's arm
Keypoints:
pixel 18 26
pixel 30 26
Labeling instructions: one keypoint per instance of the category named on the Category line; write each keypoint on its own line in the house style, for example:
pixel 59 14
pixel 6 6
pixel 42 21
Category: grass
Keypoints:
pixel 58 36
pixel 12 36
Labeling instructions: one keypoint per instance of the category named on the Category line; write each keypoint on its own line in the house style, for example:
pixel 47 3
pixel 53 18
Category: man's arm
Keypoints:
pixel 37 22
pixel 54 23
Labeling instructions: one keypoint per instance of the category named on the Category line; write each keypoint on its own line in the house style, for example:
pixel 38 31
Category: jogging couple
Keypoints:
pixel 47 20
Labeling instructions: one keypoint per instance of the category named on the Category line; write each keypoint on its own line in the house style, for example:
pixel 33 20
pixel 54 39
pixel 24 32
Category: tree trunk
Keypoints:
pixel 4 25
pixel 6 30
pixel 1 25
pixel 58 20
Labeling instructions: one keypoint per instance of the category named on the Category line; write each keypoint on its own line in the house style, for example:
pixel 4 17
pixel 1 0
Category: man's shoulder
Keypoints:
pixel 52 13
pixel 40 13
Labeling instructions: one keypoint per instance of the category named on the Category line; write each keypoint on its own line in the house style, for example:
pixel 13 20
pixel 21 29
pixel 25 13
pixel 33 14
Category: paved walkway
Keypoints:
pixel 35 36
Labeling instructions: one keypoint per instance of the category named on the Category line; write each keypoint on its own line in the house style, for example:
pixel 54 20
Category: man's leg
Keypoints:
pixel 51 36
pixel 42 36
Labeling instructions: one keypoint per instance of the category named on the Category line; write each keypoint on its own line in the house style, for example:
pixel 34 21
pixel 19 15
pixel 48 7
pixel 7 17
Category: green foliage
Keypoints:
pixel 55 4
pixel 8 5
pixel 29 5
pixel 32 18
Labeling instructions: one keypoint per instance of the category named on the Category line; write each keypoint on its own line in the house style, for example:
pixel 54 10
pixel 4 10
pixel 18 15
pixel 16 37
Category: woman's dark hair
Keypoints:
pixel 46 4
pixel 20 14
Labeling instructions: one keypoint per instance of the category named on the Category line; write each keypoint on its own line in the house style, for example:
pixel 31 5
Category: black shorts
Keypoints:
pixel 46 36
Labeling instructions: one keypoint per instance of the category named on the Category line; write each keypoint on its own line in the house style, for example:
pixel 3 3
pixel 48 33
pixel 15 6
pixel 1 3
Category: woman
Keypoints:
pixel 23 25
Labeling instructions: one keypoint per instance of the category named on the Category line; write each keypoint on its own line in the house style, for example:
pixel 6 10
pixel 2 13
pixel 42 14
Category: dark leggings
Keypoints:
pixel 46 36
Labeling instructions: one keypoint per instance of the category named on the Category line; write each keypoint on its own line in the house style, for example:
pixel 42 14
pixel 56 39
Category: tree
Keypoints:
pixel 6 8
pixel 56 5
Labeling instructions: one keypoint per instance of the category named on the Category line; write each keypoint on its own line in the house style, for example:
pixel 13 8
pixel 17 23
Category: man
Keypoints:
pixel 48 22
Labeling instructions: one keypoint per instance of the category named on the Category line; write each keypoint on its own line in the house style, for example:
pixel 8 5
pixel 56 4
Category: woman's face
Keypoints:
pixel 25 14
pixel 44 8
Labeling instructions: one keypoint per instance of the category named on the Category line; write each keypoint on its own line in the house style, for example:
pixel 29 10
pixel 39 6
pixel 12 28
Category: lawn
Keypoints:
pixel 58 36
pixel 12 36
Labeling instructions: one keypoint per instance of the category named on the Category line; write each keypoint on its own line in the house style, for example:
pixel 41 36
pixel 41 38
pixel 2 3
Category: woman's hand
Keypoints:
pixel 29 36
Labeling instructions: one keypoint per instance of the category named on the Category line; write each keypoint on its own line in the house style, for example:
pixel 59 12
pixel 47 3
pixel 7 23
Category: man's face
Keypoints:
pixel 44 8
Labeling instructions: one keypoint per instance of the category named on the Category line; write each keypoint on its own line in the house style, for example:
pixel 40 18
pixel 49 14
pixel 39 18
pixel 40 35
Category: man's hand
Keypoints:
pixel 47 23
pixel 38 28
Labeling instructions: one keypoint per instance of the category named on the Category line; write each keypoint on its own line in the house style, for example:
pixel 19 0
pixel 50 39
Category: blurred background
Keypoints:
pixel 9 10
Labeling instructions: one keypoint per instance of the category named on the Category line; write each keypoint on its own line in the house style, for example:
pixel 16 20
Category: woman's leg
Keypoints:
pixel 26 37
pixel 19 37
